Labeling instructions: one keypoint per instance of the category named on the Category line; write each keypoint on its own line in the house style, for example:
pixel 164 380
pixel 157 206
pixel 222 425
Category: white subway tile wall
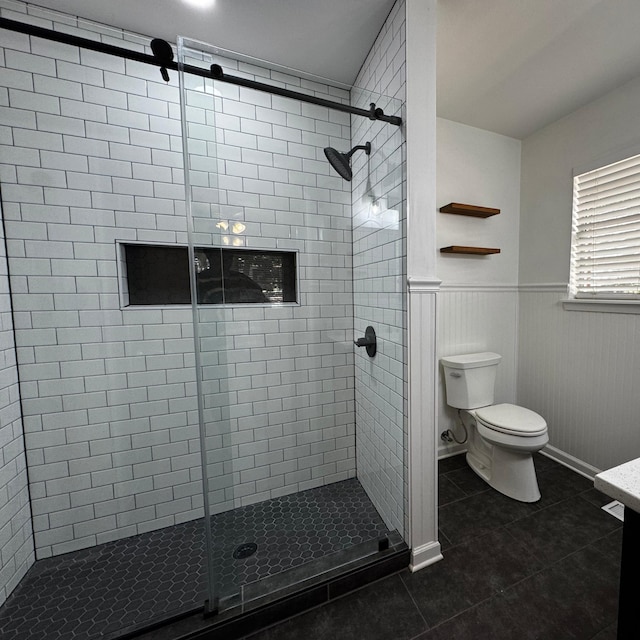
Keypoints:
pixel 92 156
pixel 16 534
pixel 379 266
pixel 277 380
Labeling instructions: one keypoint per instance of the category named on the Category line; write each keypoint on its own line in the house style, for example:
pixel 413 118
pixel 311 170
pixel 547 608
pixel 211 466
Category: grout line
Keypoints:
pixel 457 615
pixel 555 562
pixel 415 604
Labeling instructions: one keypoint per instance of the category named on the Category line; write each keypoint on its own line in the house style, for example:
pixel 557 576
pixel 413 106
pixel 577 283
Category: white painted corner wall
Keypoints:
pixel 478 302
pixel 423 283
pixel 481 168
pixel 579 369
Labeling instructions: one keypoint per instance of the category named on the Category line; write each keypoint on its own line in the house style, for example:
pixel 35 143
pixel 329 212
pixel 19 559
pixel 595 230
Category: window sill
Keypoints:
pixel 602 306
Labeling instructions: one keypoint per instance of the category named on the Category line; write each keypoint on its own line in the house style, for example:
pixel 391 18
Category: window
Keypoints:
pixel 605 242
pixel 158 275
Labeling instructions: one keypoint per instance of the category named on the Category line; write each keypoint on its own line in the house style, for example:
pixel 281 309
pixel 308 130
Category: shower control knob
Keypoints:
pixel 369 341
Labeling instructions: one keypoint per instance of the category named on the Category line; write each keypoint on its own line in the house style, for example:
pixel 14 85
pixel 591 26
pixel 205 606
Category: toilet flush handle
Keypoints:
pixel 455 374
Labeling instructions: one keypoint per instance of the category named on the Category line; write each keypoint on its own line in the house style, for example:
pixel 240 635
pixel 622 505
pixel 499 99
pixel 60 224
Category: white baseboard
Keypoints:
pixel 448 450
pixel 565 459
pixel 424 556
pixel 570 462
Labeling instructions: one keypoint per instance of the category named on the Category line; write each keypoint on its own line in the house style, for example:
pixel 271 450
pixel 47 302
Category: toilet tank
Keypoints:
pixel 470 379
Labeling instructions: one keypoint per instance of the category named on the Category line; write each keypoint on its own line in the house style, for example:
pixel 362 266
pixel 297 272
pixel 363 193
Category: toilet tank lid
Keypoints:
pixel 471 360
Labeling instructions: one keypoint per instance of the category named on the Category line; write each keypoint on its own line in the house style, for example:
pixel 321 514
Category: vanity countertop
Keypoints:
pixel 622 483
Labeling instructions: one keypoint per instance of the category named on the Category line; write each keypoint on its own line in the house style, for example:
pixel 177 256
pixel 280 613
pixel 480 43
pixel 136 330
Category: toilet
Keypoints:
pixel 501 437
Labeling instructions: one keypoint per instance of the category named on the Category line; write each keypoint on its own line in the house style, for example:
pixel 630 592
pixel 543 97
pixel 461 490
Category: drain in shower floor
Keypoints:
pixel 245 550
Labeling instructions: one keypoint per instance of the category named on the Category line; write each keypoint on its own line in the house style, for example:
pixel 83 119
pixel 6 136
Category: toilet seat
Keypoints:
pixel 512 420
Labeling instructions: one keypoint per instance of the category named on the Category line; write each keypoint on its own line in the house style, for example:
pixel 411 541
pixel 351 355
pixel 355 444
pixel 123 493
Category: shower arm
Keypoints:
pixel 161 59
pixel 363 147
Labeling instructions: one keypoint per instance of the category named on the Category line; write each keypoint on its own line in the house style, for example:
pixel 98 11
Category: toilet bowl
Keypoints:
pixel 502 437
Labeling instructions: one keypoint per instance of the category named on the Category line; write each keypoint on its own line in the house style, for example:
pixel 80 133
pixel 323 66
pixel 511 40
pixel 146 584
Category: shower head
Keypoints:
pixel 340 161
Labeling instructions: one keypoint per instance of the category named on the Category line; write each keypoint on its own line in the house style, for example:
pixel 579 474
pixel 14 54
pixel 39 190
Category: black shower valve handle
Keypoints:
pixel 369 341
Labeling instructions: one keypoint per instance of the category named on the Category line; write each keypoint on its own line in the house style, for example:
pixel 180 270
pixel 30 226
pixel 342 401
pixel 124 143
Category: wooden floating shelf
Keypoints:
pixel 476 251
pixel 469 210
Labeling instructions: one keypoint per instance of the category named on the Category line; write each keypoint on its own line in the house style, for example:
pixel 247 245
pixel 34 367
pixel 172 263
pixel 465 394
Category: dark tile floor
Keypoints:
pixel 511 571
pixel 93 593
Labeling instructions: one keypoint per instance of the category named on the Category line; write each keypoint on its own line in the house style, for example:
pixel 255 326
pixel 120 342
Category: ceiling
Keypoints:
pixel 327 38
pixel 513 66
pixel 509 66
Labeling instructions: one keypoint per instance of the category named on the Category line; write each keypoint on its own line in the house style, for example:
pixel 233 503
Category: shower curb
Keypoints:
pixel 233 624
pixel 303 600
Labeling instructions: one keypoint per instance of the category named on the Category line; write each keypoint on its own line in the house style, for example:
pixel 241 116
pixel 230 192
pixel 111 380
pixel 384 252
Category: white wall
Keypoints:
pixel 422 283
pixel 477 307
pixel 578 369
pixel 93 153
pixel 16 536
pixel 482 168
pixel 379 272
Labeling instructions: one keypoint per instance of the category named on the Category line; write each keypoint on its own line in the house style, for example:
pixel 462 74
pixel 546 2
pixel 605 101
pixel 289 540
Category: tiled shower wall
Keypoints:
pixel 277 380
pixel 379 262
pixel 92 155
pixel 16 538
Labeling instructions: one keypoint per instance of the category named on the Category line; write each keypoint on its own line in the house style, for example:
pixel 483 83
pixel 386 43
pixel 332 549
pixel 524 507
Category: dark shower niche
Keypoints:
pixel 159 275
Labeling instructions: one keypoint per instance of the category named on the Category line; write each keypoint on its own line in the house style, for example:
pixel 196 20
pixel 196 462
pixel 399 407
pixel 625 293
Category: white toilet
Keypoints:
pixel 502 437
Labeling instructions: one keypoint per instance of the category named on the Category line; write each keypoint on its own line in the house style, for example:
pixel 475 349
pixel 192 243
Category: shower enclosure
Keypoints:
pixel 188 277
pixel 276 371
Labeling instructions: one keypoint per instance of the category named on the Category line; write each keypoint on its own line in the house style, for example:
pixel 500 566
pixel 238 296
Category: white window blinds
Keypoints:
pixel 605 244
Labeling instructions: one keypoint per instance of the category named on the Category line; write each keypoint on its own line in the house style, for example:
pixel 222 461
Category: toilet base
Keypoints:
pixel 509 472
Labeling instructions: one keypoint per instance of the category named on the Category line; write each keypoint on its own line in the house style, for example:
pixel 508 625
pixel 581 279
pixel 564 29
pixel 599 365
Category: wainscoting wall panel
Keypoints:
pixel 471 319
pixel 579 369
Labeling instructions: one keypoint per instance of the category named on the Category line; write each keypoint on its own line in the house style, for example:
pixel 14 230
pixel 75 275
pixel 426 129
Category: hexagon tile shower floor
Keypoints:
pixel 95 592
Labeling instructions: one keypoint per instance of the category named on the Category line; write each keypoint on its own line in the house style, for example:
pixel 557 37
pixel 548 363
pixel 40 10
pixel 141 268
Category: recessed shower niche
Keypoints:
pixel 159 275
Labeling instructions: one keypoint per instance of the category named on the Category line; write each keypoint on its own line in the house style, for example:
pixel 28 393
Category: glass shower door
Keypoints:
pixel 270 237
pixel 205 233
